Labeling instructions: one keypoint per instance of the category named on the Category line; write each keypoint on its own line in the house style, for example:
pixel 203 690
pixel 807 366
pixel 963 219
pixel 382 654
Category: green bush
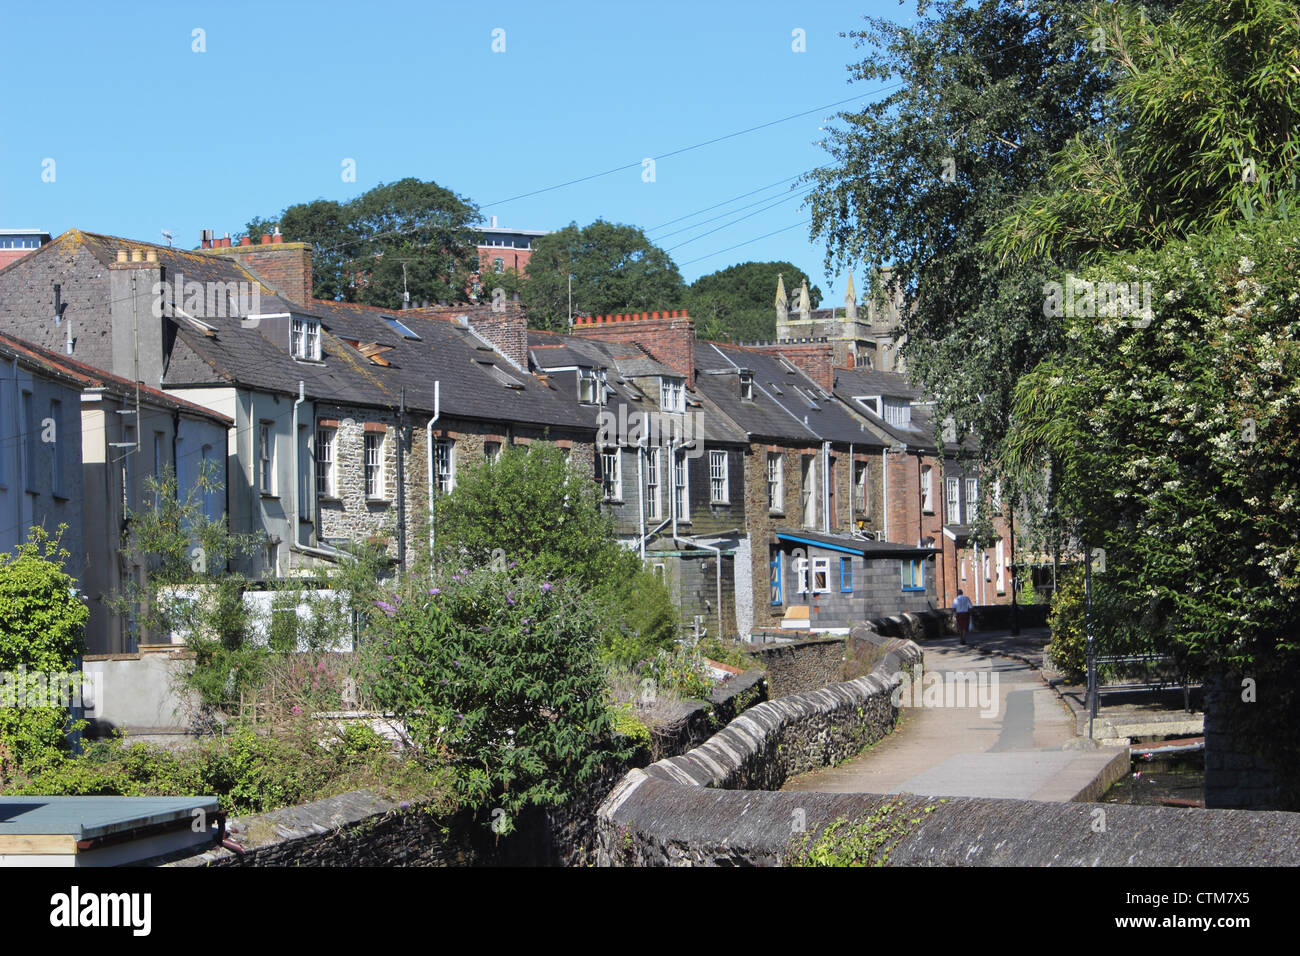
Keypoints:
pixel 42 627
pixel 502 674
pixel 680 670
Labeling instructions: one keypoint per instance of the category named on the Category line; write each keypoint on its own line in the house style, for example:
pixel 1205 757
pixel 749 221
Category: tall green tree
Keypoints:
pixel 1173 428
pixel 989 92
pixel 530 513
pixel 615 268
pixel 736 304
pixel 410 235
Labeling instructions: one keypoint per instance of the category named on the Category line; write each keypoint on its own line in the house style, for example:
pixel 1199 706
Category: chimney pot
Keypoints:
pixel 121 255
pixel 266 238
pixel 246 240
pixel 277 237
pixel 151 255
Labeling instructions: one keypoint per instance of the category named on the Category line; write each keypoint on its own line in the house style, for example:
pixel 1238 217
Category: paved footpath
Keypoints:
pixel 1023 748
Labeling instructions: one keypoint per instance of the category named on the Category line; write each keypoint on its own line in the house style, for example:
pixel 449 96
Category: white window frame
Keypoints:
pixel 820 582
pixel 327 482
pixel 672 394
pixel 952 502
pixel 266 458
pixel 719 483
pixel 372 465
pixel 775 482
pixel 588 387
pixel 972 499
pixel 682 485
pixel 860 487
pixel 492 452
pixel 611 479
pixel 304 336
pixel 444 465
pixel 746 385
pixel 808 491
pixel 1002 567
pixel 653 480
pixel 927 489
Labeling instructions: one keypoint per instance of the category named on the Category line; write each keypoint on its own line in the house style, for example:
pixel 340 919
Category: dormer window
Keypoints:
pixel 672 394
pixel 746 385
pixel 898 412
pixel 590 388
pixel 305 339
pixel 870 402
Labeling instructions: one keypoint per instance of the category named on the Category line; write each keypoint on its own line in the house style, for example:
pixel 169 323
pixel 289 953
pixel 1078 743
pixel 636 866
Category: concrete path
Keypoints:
pixel 1014 738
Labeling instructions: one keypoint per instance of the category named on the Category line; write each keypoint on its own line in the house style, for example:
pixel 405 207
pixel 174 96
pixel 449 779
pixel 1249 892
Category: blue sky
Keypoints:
pixel 147 134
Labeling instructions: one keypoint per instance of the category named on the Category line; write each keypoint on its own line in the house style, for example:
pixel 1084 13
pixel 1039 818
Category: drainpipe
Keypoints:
pixel 640 493
pixel 428 447
pixel 672 481
pixel 401 485
pixel 884 485
pixel 297 475
pixel 295 544
pixel 826 487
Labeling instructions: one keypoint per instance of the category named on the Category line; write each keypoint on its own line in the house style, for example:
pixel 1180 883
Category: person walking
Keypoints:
pixel 961 606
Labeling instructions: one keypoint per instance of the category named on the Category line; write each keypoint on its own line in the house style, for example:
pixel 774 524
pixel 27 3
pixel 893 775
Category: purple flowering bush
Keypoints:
pixel 502 674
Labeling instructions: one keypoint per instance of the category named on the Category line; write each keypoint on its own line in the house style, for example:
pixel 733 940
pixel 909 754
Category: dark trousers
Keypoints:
pixel 963 623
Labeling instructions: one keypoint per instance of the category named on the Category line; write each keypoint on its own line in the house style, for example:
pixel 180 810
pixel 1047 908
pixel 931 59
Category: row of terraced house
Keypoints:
pixel 777 487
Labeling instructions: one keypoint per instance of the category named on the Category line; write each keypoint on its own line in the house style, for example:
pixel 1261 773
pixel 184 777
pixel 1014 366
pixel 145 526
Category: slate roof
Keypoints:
pixel 623 363
pixel 853 382
pixel 87 376
pixel 788 405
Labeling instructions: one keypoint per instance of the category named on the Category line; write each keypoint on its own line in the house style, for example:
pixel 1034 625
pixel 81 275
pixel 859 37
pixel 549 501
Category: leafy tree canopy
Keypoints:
pixel 736 304
pixel 361 246
pixel 989 92
pixel 615 268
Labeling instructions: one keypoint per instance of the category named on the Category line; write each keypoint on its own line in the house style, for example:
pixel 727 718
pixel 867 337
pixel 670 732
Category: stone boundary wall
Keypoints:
pixel 655 822
pixel 352 829
pixel 801 665
pixel 361 828
pixel 715 805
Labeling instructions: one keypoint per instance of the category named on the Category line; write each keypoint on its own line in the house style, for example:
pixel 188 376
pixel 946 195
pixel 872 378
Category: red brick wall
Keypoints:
pixel 507 331
pixel 669 337
pixel 514 259
pixel 284 266
pixel 816 359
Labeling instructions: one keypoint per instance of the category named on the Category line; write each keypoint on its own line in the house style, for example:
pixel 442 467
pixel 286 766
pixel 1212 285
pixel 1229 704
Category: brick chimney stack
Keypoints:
pixel 816 357
pixel 284 266
pixel 668 337
pixel 503 325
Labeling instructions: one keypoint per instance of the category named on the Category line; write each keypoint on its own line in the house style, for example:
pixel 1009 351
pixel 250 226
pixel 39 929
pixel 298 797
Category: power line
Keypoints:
pixel 727 225
pixel 747 242
pixel 692 215
pixel 626 166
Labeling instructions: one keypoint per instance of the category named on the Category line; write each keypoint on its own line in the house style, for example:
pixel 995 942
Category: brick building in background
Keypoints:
pixel 502 249
pixel 16 243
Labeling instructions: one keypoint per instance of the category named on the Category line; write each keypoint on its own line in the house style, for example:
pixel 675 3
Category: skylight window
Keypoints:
pixel 401 329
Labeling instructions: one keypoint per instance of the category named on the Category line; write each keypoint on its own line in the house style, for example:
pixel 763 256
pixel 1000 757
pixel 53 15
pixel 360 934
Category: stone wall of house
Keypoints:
pixel 351 516
pixel 27 302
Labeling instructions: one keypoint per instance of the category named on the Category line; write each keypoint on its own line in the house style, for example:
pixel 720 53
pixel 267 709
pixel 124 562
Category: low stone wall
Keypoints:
pixel 758 751
pixel 801 665
pixel 997 617
pixel 655 822
pixel 715 805
pixel 352 829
